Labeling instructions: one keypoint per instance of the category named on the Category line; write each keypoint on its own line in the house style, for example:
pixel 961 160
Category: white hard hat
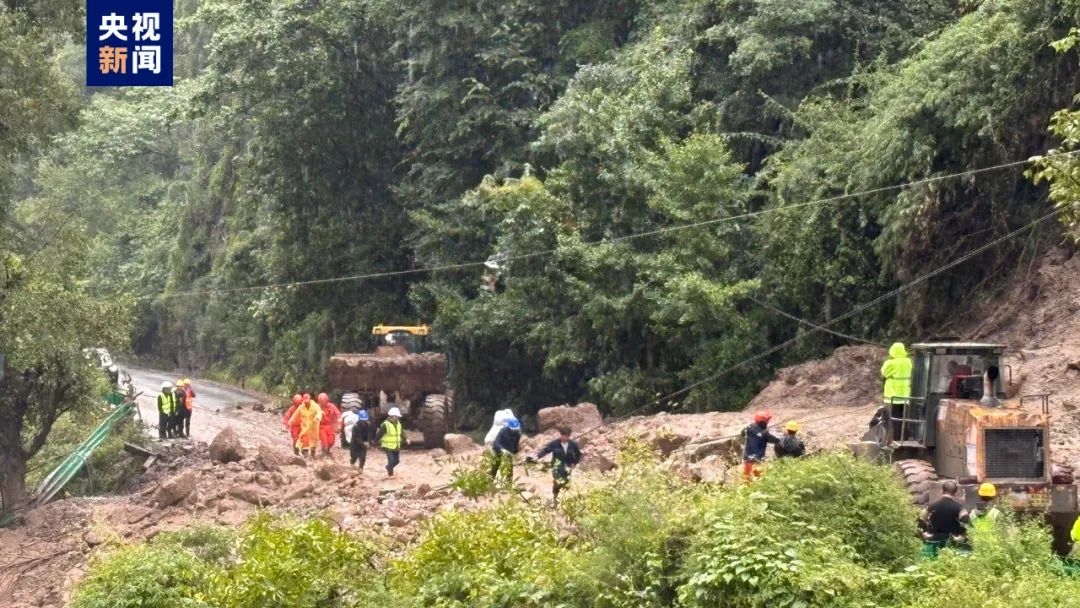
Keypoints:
pixel 394 412
pixel 166 385
pixel 113 368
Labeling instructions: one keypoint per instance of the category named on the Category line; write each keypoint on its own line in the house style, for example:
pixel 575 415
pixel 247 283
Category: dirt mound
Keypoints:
pixel 849 376
pixel 407 374
pixel 1040 326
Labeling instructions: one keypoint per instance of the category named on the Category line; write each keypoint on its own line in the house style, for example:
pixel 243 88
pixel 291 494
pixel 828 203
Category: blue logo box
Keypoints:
pixel 129 43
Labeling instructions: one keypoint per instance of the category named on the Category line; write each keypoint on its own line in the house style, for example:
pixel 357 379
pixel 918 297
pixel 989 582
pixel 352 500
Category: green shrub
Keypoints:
pixel 508 555
pixel 634 528
pixel 214 544
pixel 146 576
pixel 290 563
pixel 1010 567
pixel 858 501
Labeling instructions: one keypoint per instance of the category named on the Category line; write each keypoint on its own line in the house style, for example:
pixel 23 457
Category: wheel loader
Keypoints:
pixel 400 373
pixel 958 424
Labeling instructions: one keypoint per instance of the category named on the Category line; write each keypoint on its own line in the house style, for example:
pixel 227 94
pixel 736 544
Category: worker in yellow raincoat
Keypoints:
pixel 896 371
pixel 308 415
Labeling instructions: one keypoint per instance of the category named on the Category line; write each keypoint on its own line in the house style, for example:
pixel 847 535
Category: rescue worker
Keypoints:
pixel 349 417
pixel 1075 535
pixel 166 407
pixel 391 438
pixel 565 455
pixel 945 518
pixel 758 438
pixel 359 436
pixel 896 371
pixel 294 428
pixel 501 417
pixel 307 416
pixel 504 448
pixel 986 511
pixel 328 426
pixel 790 445
pixel 183 419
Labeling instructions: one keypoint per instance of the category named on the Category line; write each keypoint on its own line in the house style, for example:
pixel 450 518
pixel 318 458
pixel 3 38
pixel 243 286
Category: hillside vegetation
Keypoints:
pixel 348 138
pixel 828 531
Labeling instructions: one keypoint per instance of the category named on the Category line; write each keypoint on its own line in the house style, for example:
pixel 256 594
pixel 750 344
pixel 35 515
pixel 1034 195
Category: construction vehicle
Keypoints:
pixel 957 424
pixel 400 373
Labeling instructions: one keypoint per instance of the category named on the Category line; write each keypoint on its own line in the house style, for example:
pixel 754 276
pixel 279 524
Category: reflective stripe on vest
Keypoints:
pixel 168 404
pixel 391 439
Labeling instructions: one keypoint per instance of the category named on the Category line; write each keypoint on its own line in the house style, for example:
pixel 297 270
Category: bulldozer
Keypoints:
pixel 401 373
pixel 958 424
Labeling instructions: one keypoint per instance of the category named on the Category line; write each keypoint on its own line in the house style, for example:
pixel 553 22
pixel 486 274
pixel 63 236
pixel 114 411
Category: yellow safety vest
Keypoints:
pixel 391 439
pixel 166 402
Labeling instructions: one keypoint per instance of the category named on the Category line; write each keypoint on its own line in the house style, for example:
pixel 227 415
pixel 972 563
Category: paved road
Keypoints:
pixel 215 409
pixel 211 397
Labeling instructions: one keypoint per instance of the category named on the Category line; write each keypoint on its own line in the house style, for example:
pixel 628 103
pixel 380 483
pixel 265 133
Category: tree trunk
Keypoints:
pixel 12 476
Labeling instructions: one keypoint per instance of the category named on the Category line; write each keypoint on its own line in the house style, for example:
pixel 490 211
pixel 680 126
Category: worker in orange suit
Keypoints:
pixel 329 425
pixel 308 415
pixel 294 429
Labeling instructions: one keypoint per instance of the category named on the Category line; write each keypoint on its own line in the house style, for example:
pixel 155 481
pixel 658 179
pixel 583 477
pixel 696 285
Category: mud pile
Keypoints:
pixel 404 373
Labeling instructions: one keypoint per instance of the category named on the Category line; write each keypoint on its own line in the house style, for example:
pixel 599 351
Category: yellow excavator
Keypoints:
pixel 401 373
pixel 958 424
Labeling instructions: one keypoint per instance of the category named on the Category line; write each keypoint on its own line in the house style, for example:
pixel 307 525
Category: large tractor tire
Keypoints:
pixel 433 420
pixel 919 478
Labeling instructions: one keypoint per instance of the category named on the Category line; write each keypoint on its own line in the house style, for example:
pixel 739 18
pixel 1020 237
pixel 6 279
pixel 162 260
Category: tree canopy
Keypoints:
pixel 642 173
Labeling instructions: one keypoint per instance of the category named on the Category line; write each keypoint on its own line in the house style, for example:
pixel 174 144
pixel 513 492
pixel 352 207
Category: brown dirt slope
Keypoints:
pixel 1039 323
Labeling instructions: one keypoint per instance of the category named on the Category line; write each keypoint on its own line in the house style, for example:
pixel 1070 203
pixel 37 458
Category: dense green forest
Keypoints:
pixel 592 147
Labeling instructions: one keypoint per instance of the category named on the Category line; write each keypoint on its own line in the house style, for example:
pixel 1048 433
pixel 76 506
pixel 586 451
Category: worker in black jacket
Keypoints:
pixel 565 455
pixel 790 446
pixel 505 447
pixel 362 433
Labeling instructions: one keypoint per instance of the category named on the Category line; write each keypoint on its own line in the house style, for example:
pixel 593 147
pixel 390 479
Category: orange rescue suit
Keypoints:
pixel 328 428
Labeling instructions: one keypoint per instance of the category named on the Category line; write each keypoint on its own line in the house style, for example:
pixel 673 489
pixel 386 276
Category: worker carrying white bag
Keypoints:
pixel 501 418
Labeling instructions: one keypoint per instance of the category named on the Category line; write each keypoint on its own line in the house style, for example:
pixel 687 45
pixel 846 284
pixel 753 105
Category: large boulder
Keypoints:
pixel 667 441
pixel 580 417
pixel 459 444
pixel 226 447
pixel 271 460
pixel 332 471
pixel 252 494
pixel 176 489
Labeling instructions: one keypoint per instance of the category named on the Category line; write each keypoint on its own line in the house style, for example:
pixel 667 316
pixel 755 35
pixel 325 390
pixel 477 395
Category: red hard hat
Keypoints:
pixel 323 398
pixel 762 416
pixel 297 399
pixel 307 396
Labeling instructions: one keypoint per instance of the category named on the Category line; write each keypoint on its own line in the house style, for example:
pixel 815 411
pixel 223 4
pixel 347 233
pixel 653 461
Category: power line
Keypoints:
pixel 858 309
pixel 812 324
pixel 609 241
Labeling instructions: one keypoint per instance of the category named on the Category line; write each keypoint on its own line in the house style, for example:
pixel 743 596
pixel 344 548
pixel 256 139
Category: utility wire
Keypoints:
pixel 858 309
pixel 812 324
pixel 614 240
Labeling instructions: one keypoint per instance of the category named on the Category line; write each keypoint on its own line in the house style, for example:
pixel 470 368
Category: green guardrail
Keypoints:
pixel 70 467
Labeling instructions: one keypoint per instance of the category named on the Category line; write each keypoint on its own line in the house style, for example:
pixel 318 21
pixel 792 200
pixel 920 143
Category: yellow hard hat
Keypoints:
pixel 792 427
pixel 186 381
pixel 987 490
